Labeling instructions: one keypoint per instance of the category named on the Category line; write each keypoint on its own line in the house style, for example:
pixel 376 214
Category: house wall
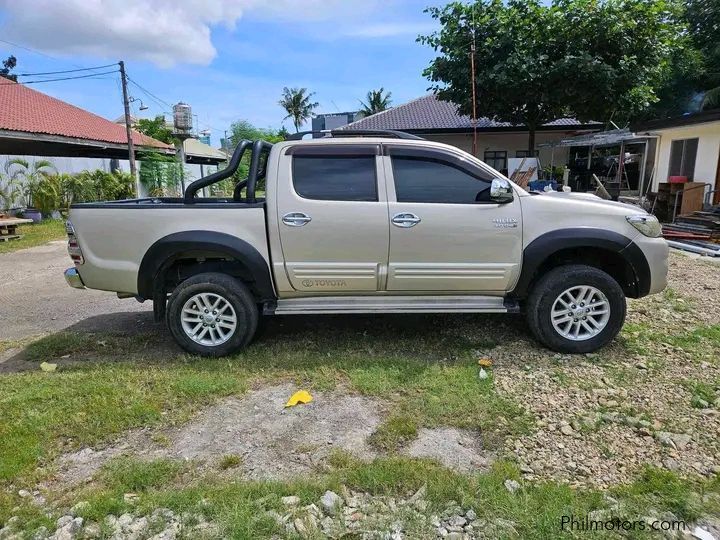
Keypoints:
pixel 708 151
pixel 509 142
pixel 73 165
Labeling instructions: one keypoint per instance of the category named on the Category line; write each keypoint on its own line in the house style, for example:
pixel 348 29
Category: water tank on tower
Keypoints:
pixel 182 117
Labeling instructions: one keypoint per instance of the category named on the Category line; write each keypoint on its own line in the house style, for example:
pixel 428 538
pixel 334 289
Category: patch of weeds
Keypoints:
pixel 394 433
pixel 633 337
pixel 664 491
pixel 703 394
pixel 129 474
pixel 709 335
pixel 85 344
pixel 675 301
pixel 229 461
pixel 561 378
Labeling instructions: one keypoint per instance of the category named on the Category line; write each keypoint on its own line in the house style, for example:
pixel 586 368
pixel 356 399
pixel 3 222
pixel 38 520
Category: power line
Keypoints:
pixel 151 95
pixel 34 51
pixel 64 71
pixel 92 75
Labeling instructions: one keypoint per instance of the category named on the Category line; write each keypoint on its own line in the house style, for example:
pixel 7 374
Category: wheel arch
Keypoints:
pixel 195 246
pixel 606 250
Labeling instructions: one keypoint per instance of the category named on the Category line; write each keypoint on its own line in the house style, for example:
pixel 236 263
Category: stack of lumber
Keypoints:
pixel 701 228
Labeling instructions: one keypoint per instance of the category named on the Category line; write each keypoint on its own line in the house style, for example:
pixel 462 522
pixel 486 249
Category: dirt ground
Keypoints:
pixel 598 417
pixel 35 300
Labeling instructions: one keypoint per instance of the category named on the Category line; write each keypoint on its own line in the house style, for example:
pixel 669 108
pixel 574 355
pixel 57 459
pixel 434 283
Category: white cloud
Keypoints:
pixel 165 32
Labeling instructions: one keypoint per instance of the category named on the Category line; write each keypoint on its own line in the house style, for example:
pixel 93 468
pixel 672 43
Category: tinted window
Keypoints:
pixel 427 180
pixel 335 178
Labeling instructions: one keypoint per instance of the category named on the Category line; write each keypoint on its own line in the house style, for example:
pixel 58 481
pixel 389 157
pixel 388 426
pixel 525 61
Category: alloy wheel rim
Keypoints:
pixel 208 319
pixel 580 313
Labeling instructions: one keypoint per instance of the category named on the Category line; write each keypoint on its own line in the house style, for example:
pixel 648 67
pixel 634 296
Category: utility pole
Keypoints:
pixel 472 74
pixel 128 131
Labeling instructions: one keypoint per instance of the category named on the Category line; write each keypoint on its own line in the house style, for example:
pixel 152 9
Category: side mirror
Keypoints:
pixel 501 191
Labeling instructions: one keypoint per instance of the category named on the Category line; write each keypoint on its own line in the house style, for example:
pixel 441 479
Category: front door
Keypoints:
pixel 332 214
pixel 446 234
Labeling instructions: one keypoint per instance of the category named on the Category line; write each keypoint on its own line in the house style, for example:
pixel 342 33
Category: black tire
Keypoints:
pixel 552 285
pixel 234 292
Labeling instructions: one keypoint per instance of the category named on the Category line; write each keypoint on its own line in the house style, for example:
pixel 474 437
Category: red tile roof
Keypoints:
pixel 27 110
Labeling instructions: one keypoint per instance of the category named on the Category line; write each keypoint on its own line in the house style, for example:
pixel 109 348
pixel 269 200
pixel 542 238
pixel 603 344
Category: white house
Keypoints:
pixel 689 146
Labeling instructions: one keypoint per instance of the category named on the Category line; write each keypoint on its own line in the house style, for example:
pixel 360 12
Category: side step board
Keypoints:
pixel 393 304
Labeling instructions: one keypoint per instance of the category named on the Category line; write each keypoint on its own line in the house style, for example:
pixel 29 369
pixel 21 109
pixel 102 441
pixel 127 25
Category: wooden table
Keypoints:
pixel 8 228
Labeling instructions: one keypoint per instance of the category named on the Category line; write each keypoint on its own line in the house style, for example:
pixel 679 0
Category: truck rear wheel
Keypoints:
pixel 212 314
pixel 576 309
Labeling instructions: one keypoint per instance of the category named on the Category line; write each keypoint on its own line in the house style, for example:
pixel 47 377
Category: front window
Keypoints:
pixel 433 180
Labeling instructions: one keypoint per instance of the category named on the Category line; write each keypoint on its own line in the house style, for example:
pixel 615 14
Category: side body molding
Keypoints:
pixel 545 246
pixel 184 244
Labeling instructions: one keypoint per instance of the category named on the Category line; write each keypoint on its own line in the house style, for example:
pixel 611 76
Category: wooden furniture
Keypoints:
pixel 675 199
pixel 8 228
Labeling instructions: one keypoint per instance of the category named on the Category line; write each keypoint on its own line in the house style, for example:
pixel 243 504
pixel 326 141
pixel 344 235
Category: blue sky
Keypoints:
pixel 229 59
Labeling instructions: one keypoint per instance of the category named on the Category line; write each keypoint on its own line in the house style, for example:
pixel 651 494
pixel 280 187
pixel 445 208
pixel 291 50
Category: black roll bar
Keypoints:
pixel 258 147
pixel 227 172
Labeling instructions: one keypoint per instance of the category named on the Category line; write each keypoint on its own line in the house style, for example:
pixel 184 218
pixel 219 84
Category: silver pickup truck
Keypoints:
pixel 369 222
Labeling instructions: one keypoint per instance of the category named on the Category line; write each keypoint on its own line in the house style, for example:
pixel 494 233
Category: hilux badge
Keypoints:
pixel 505 223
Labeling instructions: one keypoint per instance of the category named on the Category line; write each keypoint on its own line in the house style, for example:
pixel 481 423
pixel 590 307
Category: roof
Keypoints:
pixel 197 149
pixel 25 110
pixel 702 117
pixel 612 137
pixel 429 114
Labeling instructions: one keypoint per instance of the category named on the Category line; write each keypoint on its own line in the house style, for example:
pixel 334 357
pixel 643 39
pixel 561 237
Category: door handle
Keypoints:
pixel 296 219
pixel 405 220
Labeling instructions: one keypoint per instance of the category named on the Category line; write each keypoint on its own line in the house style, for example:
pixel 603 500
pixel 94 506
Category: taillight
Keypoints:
pixel 73 247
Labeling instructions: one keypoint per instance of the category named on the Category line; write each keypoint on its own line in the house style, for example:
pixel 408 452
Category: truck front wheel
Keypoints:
pixel 212 314
pixel 576 309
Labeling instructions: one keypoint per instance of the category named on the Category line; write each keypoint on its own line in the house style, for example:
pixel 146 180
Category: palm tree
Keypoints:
pixel 33 180
pixel 297 104
pixel 376 102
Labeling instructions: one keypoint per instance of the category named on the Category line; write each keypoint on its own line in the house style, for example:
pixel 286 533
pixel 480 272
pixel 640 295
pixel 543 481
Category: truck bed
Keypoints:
pixel 114 236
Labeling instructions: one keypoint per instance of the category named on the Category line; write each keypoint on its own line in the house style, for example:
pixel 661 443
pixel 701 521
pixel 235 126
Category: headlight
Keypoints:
pixel 646 224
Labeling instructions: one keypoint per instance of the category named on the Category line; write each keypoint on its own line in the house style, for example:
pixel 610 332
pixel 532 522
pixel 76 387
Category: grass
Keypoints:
pixel 431 377
pixel 423 369
pixel 534 511
pixel 44 413
pixel 35 234
pixel 394 433
pixel 676 301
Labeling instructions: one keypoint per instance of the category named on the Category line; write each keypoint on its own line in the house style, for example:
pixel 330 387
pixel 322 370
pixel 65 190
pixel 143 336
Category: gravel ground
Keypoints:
pixel 35 300
pixel 601 417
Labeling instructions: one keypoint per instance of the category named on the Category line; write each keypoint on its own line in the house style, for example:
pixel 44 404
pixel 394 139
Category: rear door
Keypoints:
pixel 446 234
pixel 333 218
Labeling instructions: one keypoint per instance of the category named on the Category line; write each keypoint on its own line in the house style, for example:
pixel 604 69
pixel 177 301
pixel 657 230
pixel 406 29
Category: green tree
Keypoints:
pixel 244 130
pixel 375 102
pixel 703 18
pixel 298 105
pixel 156 128
pixel 8 65
pixel 593 59
pixel 34 179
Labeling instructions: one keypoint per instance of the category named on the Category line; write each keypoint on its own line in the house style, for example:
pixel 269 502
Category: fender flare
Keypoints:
pixel 546 245
pixel 175 246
